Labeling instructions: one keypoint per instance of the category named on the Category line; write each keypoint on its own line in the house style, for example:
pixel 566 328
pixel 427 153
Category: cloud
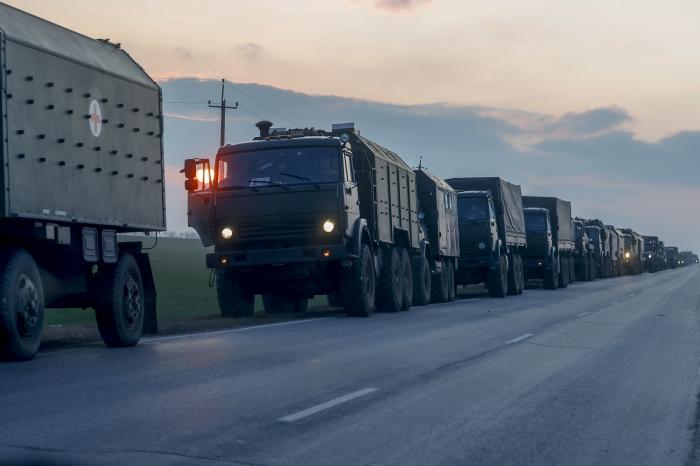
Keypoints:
pixel 251 50
pixel 398 5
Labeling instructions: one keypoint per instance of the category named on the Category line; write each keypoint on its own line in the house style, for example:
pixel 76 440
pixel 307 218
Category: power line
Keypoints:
pixel 265 106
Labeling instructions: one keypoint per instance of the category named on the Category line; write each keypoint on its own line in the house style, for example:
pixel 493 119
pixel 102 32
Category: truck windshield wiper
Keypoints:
pixel 302 178
pixel 269 182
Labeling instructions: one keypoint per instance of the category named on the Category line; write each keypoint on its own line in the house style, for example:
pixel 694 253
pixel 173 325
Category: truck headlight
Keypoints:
pixel 482 245
pixel 328 226
pixel 227 233
pixel 627 255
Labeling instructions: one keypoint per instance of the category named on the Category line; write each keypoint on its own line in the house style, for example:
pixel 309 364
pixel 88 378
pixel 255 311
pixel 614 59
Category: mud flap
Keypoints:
pixel 150 318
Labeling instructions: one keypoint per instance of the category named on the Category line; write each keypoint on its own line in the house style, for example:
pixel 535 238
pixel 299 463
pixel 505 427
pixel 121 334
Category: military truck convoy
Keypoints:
pixel 290 215
pixel 82 161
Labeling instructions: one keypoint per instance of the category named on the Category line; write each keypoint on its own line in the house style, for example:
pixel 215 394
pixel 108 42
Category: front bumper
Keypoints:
pixel 307 254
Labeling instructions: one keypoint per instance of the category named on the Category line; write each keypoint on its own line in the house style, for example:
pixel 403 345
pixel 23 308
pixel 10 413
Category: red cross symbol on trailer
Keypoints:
pixel 95 118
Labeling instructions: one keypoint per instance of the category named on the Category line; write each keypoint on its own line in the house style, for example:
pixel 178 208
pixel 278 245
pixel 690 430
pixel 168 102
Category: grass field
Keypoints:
pixel 182 282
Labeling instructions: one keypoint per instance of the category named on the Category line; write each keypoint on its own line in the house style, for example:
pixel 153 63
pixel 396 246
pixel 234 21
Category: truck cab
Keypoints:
pixel 583 254
pixel 539 232
pixel 478 231
pixel 298 213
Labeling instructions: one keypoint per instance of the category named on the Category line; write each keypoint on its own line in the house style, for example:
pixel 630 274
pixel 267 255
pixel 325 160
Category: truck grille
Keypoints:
pixel 468 246
pixel 276 230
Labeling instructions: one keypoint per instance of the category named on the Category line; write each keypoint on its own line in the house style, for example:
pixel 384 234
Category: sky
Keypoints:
pixel 595 102
pixel 552 57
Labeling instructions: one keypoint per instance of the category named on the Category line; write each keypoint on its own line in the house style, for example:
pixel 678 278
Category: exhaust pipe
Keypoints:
pixel 264 127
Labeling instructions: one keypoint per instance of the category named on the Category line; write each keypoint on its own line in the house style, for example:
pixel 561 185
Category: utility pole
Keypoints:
pixel 222 106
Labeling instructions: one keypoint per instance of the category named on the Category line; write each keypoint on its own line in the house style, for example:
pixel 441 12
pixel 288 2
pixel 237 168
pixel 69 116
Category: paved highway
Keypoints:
pixel 599 373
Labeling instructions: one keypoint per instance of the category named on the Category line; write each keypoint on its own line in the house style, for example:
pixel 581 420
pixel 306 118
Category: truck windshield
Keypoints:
pixel 280 166
pixel 472 208
pixel 535 221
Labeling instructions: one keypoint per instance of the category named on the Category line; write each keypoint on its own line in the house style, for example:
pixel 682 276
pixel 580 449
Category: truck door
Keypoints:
pixel 493 224
pixel 350 191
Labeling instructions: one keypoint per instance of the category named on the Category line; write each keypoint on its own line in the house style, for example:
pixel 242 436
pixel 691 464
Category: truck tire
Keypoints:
pixel 563 272
pixel 234 301
pixel 450 281
pixel 521 274
pixel 572 270
pixel 279 303
pixel 439 291
pixel 513 280
pixel 421 282
pixel 407 288
pixel 358 285
pixel 497 282
pixel 334 300
pixel 121 307
pixel 390 283
pixel 550 276
pixel 21 306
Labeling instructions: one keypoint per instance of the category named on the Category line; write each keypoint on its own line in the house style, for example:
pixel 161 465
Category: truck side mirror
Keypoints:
pixel 192 184
pixel 191 169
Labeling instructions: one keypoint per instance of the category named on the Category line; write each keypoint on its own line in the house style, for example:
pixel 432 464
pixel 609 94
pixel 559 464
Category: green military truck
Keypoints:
pixel 82 160
pixel 491 233
pixel 298 213
pixel 584 262
pixel 435 269
pixel 632 253
pixel 550 241
pixel 651 258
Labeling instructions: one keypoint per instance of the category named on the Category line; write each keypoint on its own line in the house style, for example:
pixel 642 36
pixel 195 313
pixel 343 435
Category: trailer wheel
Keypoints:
pixel 563 272
pixel 279 303
pixel 21 306
pixel 440 293
pixel 421 282
pixel 390 284
pixel 549 279
pixel 120 309
pixel 407 288
pixel 358 285
pixel 450 280
pixel 234 300
pixel 497 283
pixel 513 280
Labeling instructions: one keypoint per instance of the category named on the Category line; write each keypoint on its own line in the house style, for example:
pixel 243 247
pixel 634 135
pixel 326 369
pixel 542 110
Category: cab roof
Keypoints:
pixel 307 141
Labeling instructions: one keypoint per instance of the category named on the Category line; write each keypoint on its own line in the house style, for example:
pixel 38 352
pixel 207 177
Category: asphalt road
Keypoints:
pixel 599 373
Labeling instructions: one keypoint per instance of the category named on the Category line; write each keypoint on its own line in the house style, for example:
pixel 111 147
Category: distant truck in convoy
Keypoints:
pixel 600 237
pixel 492 234
pixel 672 258
pixel 614 247
pixel 651 258
pixel 584 262
pixel 551 241
pixel 434 270
pixel 296 213
pixel 82 161
pixel 632 252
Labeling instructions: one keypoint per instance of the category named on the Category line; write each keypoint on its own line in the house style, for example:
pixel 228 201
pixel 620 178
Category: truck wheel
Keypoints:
pixel 358 286
pixel 21 306
pixel 563 272
pixel 439 291
pixel 450 280
pixel 234 301
pixel 572 270
pixel 120 312
pixel 512 276
pixel 521 274
pixel 497 283
pixel 390 284
pixel 334 300
pixel 279 303
pixel 549 279
pixel 407 289
pixel 421 282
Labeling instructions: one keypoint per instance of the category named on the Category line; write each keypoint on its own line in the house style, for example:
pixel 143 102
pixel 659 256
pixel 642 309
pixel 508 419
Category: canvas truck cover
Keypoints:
pixel 507 200
pixel 82 129
pixel 560 216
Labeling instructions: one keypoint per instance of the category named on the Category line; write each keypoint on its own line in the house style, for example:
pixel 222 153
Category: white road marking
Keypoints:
pixel 230 330
pixel 614 302
pixel 520 338
pixel 327 405
pixel 583 314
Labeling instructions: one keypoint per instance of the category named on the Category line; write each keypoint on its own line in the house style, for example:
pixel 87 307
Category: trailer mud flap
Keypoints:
pixel 150 318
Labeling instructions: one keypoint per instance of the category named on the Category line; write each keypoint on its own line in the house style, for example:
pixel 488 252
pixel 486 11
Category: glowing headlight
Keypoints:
pixel 482 245
pixel 227 233
pixel 627 255
pixel 328 226
pixel 649 256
